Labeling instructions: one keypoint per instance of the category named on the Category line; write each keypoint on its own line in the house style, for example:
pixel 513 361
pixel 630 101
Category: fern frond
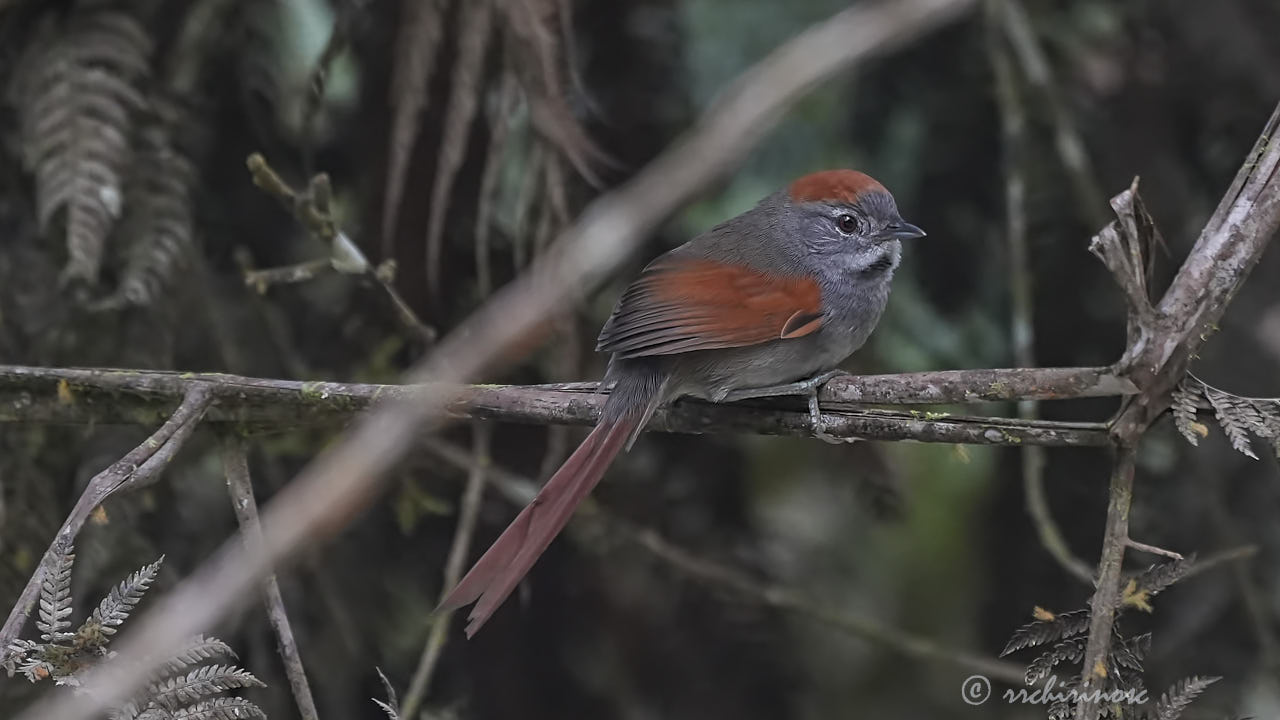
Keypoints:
pixel 1177 698
pixel 417 41
pixel 1235 418
pixel 1066 651
pixel 1061 711
pixel 77 94
pixel 159 222
pixel 36 669
pixel 15 654
pixel 473 32
pixel 209 680
pixel 128 711
pixel 1130 652
pixel 1039 632
pixel 55 600
pixel 225 708
pixel 116 606
pixel 1156 578
pixel 1185 406
pixel 533 28
pixel 197 650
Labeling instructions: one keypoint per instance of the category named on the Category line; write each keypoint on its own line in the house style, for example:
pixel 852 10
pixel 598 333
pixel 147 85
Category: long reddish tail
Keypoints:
pixel 511 556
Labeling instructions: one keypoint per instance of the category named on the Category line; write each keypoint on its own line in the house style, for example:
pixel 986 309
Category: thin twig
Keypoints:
pixel 235 463
pixel 1152 549
pixel 459 552
pixel 311 208
pixel 139 468
pixel 1013 125
pixel 519 490
pixel 343 479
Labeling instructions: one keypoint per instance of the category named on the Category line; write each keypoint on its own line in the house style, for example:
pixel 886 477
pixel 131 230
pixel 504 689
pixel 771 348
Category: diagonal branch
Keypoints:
pixel 139 468
pixel 235 463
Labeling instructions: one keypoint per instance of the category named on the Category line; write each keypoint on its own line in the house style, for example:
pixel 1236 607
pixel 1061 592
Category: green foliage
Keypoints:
pixel 184 689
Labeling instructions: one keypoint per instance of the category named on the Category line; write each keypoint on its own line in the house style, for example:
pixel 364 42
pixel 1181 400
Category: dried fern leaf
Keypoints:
pixel 55 600
pixel 1161 575
pixel 1185 408
pixel 128 711
pixel 1066 651
pixel 77 94
pixel 197 650
pixel 1130 652
pixel 159 223
pixel 225 708
pixel 116 606
pixel 1235 418
pixel 475 20
pixel 185 689
pixel 1037 632
pixel 415 57
pixel 537 58
pixel 1177 698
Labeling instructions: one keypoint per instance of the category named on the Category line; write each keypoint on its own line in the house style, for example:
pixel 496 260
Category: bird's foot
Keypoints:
pixel 806 388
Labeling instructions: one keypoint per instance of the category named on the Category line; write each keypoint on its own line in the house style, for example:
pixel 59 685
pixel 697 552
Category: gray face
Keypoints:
pixel 861 239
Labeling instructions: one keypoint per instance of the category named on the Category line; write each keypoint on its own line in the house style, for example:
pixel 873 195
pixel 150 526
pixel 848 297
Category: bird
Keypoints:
pixel 766 303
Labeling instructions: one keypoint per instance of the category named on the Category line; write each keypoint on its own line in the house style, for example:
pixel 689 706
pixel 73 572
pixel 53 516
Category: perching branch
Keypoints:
pixel 139 468
pixel 29 394
pixel 235 463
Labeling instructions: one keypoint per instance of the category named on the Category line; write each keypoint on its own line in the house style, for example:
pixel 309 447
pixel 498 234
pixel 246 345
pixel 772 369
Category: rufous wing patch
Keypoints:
pixel 686 304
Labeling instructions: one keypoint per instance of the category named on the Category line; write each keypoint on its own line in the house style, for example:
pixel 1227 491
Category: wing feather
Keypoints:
pixel 685 304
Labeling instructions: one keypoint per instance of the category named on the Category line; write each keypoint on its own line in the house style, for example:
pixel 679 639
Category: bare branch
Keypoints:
pixel 235 463
pixel 1106 598
pixel 338 483
pixel 30 394
pixel 139 468
pixel 311 208
pixel 459 552
pixel 1162 345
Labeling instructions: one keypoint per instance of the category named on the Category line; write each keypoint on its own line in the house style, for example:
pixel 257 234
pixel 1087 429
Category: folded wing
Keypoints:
pixel 684 304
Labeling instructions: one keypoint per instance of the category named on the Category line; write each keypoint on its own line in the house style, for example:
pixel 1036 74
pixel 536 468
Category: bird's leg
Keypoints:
pixel 808 388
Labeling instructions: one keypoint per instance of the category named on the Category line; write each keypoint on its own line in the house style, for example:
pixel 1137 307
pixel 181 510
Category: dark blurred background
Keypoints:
pixel 931 540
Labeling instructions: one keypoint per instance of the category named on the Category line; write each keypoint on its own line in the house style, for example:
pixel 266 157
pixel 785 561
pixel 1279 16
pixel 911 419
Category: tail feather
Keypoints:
pixel 506 562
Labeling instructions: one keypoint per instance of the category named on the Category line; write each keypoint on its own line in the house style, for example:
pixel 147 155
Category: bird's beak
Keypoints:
pixel 900 230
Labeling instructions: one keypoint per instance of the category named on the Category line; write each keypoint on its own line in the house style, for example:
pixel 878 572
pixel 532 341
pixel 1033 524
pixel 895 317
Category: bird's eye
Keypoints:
pixel 847 224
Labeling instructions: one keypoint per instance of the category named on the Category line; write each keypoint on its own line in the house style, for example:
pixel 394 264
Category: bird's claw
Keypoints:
pixel 809 388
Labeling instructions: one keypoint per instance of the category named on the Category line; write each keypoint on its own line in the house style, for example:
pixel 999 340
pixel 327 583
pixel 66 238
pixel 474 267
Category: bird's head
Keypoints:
pixel 849 216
